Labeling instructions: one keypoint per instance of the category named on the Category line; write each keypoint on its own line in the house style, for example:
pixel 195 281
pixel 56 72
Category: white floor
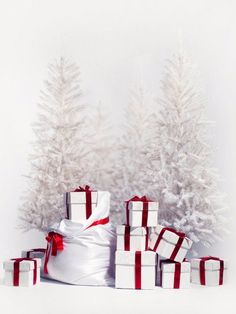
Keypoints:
pixel 52 297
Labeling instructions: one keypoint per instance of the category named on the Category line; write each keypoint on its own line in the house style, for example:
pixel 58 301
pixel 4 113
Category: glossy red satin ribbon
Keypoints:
pixel 41 250
pixel 55 244
pixel 202 269
pixel 127 238
pixel 138 270
pixel 16 269
pixel 178 244
pixel 102 221
pixel 145 209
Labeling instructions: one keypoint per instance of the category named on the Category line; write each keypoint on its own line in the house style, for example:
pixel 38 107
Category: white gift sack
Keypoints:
pixel 88 251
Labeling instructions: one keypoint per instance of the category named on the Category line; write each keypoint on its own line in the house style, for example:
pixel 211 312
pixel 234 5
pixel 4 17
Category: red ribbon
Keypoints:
pixel 127 238
pixel 147 237
pixel 16 270
pixel 137 270
pixel 145 208
pixel 202 269
pixel 178 244
pixel 102 221
pixel 55 244
pixel 35 250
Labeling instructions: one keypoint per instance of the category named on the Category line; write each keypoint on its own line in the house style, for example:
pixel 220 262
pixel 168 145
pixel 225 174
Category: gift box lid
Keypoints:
pixel 209 264
pixel 168 266
pixel 148 258
pixel 25 265
pixel 134 231
pixel 172 237
pixel 138 205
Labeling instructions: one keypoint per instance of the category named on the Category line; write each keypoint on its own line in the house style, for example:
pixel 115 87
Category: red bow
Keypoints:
pixel 16 269
pixel 139 199
pixel 55 241
pixel 202 269
pixel 81 189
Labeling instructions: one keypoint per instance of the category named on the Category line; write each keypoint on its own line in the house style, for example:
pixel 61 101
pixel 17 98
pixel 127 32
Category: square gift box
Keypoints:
pixel 169 243
pixel 208 271
pixel 135 270
pixel 34 253
pixel 132 238
pixel 22 272
pixel 141 212
pixel 174 275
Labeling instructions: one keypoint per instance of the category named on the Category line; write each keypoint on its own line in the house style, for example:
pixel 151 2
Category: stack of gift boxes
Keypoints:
pixel 149 254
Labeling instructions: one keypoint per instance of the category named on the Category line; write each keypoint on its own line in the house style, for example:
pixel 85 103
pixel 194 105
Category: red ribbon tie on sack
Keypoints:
pixel 55 244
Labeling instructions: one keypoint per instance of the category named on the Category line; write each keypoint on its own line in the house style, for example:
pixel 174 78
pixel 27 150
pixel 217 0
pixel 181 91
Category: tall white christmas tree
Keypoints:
pixel 131 177
pixel 59 148
pixel 184 181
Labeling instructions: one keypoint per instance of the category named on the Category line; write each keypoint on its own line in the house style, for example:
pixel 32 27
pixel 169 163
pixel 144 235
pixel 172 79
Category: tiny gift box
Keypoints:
pixel 22 272
pixel 132 238
pixel 169 243
pixel 34 253
pixel 174 274
pixel 208 271
pixel 135 270
pixel 141 212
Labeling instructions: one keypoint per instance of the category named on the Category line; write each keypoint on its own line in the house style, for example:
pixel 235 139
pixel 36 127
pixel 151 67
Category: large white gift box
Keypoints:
pixel 135 270
pixel 141 212
pixel 169 243
pixel 22 272
pixel 208 271
pixel 81 203
pixel 34 253
pixel 132 238
pixel 175 275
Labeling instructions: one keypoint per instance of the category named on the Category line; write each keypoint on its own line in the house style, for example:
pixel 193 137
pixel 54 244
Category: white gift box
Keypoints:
pixel 169 244
pixel 80 197
pixel 138 216
pixel 131 238
pixel 175 275
pixel 135 270
pixel 25 274
pixel 78 212
pixel 34 253
pixel 210 273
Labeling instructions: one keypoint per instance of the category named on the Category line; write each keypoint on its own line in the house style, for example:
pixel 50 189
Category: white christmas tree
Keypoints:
pixel 131 177
pixel 184 181
pixel 59 148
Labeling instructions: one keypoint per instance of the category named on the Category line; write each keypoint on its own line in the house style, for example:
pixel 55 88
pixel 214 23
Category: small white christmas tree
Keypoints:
pixel 184 181
pixel 59 149
pixel 131 177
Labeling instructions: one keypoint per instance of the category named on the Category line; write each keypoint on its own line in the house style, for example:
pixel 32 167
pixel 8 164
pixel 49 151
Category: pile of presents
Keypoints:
pixel 147 254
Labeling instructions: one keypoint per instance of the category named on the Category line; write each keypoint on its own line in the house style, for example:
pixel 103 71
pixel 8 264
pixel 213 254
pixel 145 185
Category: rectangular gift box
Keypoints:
pixel 34 253
pixel 142 213
pixel 22 272
pixel 135 270
pixel 169 243
pixel 132 238
pixel 208 271
pixel 174 275
pixel 78 212
pixel 79 197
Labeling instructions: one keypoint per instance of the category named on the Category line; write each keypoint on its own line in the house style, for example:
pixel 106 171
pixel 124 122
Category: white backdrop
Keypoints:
pixel 116 44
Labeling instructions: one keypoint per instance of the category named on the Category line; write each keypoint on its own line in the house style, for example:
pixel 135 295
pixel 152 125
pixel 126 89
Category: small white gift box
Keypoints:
pixel 141 212
pixel 132 238
pixel 34 253
pixel 169 243
pixel 208 271
pixel 81 196
pixel 135 270
pixel 174 275
pixel 22 272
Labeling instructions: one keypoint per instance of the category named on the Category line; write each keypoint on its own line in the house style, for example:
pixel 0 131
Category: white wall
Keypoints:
pixel 116 43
